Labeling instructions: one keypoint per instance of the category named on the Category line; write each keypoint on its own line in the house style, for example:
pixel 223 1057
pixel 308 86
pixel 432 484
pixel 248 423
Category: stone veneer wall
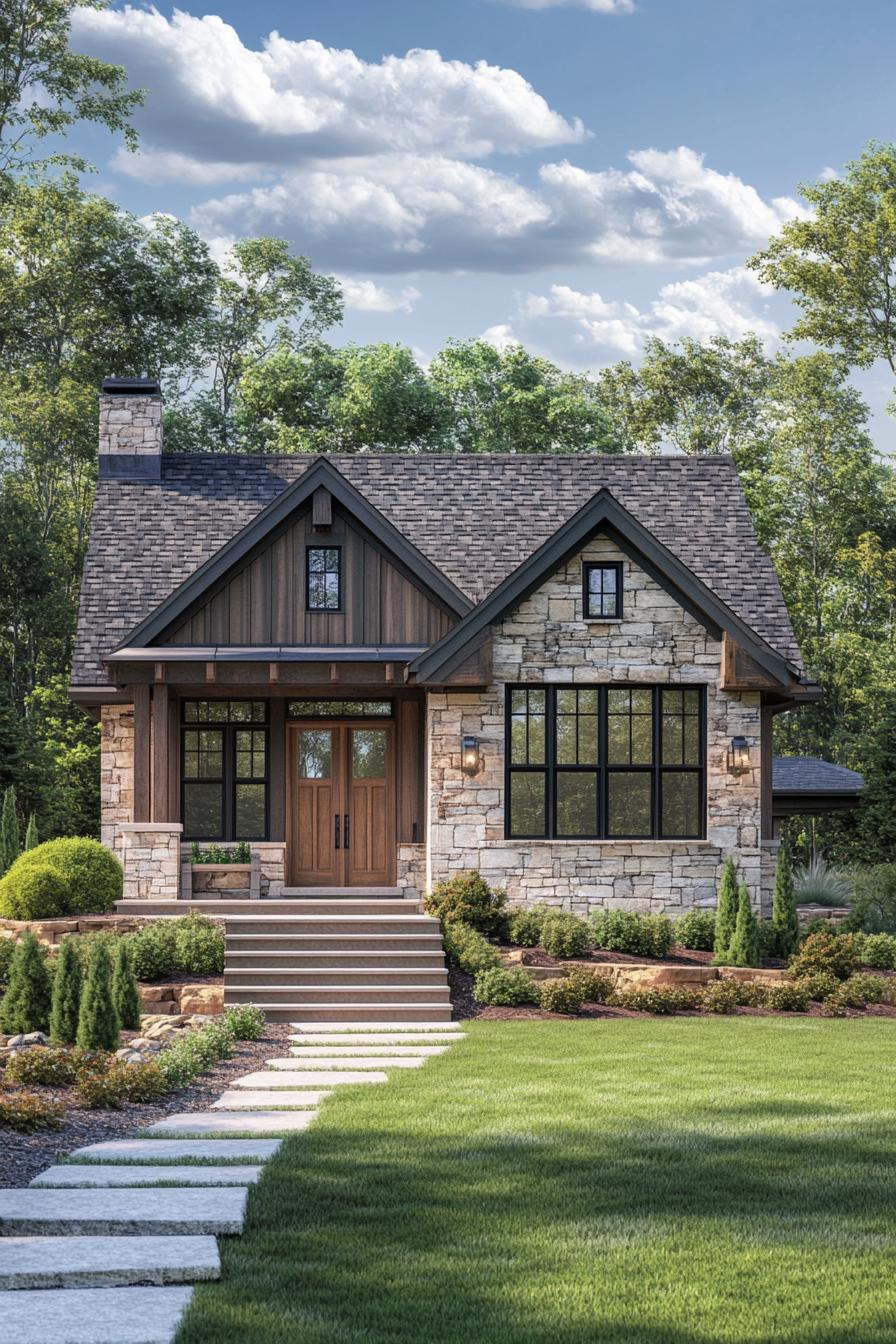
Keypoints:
pixel 150 852
pixel 546 641
pixel 130 426
pixel 411 870
pixel 116 772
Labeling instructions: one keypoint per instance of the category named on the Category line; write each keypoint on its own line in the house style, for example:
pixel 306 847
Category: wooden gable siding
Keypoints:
pixel 264 601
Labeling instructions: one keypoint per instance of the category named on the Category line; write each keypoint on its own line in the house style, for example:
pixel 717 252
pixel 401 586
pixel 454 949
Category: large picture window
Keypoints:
pixel 605 762
pixel 224 769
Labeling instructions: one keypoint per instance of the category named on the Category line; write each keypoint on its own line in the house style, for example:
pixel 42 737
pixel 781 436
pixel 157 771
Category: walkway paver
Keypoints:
pixel 313 1028
pixel 174 1150
pixel 338 1068
pixel 210 1123
pixel 380 1039
pixel 270 1079
pixel 368 1051
pixel 93 1315
pixel 35 1212
pixel 70 1175
pixel 312 1076
pixel 265 1099
pixel 107 1262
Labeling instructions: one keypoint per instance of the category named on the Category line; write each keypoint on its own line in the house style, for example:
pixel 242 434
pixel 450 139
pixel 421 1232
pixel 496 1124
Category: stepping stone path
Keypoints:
pixel 102 1248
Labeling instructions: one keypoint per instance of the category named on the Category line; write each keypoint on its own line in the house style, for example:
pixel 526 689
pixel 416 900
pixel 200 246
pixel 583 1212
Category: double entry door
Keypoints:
pixel 342 805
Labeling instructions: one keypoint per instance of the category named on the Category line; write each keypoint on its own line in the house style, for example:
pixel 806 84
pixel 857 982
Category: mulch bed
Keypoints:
pixel 22 1156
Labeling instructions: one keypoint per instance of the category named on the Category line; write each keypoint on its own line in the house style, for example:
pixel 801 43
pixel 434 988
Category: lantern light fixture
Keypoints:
pixel 470 756
pixel 738 755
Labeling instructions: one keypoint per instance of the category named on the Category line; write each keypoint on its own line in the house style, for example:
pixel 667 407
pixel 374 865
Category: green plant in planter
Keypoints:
pixel 125 994
pixel 726 909
pixel 26 1003
pixel 66 1004
pixel 98 1024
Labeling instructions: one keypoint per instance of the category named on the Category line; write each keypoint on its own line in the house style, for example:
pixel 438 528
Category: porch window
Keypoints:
pixel 339 709
pixel 605 762
pixel 602 592
pixel 224 769
pixel 323 578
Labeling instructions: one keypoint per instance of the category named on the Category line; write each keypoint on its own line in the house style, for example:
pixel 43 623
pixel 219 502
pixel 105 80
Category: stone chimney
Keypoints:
pixel 130 429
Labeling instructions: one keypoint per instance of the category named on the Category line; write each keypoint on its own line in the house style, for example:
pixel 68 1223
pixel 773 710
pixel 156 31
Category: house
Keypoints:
pixel 382 670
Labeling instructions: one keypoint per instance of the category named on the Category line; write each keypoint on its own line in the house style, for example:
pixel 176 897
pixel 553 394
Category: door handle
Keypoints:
pixel 336 820
pixel 345 831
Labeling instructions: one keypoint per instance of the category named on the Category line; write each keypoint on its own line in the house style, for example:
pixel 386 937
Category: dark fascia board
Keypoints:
pixel 267 653
pixel 321 472
pixel 602 514
pixel 808 803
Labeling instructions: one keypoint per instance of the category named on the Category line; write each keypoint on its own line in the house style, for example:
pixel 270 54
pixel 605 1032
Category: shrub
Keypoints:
pixel 186 1057
pixel 662 999
pixel 874 901
pixel 198 945
pixel 470 899
pixel 7 949
pixel 26 1003
pixel 819 985
pixel 125 994
pixel 787 997
pixel 10 846
pixel 726 909
pixel 626 931
pixel 40 1067
pixel 878 949
pixel 696 930
pixel 468 949
pixel 91 873
pixel 750 993
pixel 506 988
pixel 26 1113
pixel 32 839
pixel 837 1004
pixel 98 1025
pixel 37 893
pixel 721 996
pixel 246 1022
pixel 595 986
pixel 152 950
pixel 766 938
pixel 565 935
pixel 744 947
pixel 825 950
pixel 524 926
pixel 66 995
pixel 822 884
pixel 560 996
pixel 784 907
pixel 106 1088
pixel 865 988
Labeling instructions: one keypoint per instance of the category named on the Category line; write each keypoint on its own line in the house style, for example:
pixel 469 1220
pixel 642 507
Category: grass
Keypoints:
pixel 688 1181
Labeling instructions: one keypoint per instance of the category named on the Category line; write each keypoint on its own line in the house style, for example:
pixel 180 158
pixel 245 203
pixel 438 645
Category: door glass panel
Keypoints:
pixel 368 753
pixel 315 753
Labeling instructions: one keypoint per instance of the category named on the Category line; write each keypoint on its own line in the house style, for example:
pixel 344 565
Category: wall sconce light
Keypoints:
pixel 470 757
pixel 738 755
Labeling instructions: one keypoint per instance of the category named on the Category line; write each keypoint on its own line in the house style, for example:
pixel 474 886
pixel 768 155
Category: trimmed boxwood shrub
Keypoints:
pixel 836 953
pixel 470 899
pixel 627 931
pixel 91 874
pixel 565 935
pixel 468 948
pixel 596 987
pixel 524 926
pixel 878 949
pixel 696 930
pixel 721 996
pixel 505 988
pixel 198 945
pixel 38 892
pixel 662 999
pixel 561 996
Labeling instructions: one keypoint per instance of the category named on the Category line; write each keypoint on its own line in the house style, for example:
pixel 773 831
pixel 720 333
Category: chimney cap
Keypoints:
pixel 133 387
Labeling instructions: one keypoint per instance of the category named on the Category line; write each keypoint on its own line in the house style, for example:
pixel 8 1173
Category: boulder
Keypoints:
pixel 680 977
pixel 205 999
pixel 745 974
pixel 156 993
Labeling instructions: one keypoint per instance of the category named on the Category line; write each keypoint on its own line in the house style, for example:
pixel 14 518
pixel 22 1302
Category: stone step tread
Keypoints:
pixel 73 1174
pixel 276 1099
pixel 331 1065
pixel 314 1078
pixel 368 1051
pixel 313 1028
pixel 178 1150
pixel 352 1040
pixel 109 1262
pixel 211 1124
pixel 242 934
pixel 214 1211
pixel 403 1007
pixel 346 955
pixel 93 1315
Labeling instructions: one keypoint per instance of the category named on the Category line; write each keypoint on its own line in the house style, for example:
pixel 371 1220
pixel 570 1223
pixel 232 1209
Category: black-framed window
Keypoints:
pixel 224 769
pixel 339 709
pixel 605 762
pixel 323 578
pixel 602 591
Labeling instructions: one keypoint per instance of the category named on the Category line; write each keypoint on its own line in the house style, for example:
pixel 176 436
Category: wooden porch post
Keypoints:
pixel 141 805
pixel 160 753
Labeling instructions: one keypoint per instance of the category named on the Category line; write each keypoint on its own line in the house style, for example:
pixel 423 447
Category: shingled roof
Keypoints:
pixel 476 517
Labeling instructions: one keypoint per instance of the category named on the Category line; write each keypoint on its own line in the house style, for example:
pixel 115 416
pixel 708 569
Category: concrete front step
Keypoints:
pixel 353 1041
pixel 215 1124
pixel 368 1051
pixel 334 1065
pixel 335 994
pixel 256 1151
pixel 107 1262
pixel 406 1026
pixel 333 943
pixel 139 1212
pixel 298 959
pixel 330 924
pixel 93 1315
pixel 331 1014
pixel 379 901
pixel 71 1175
pixel 311 976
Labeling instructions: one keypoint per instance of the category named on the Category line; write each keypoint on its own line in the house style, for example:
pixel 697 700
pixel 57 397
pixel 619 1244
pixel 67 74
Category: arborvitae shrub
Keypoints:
pixel 744 948
pixel 787 929
pixel 67 984
pixel 470 899
pixel 98 1026
pixel 726 909
pixel 10 845
pixel 32 838
pixel 125 994
pixel 26 1003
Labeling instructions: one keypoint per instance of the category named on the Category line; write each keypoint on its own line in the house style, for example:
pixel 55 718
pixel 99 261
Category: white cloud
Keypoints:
pixel 719 303
pixel 167 165
pixel 501 336
pixel 294 100
pixel 596 6
pixel 368 297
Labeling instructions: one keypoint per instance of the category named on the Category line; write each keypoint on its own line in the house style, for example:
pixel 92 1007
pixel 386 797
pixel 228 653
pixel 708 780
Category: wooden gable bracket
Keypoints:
pixel 741 672
pixel 211 671
pixel 321 509
pixel 273 671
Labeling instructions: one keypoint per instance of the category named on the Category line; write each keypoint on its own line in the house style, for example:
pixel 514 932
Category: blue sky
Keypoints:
pixel 573 178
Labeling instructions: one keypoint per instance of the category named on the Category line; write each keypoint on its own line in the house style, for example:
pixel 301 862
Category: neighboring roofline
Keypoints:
pixel 602 513
pixel 320 473
pixel 267 653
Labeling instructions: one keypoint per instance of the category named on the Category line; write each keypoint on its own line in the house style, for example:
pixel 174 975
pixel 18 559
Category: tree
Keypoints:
pixel 45 87
pixel 726 909
pixel 10 844
pixel 32 837
pixel 98 1025
pixel 125 993
pixel 744 949
pixel 787 929
pixel 839 260
pixel 26 1003
pixel 66 1000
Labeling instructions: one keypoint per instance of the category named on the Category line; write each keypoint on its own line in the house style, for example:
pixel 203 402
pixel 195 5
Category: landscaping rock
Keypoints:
pixel 647 977
pixel 207 999
pixel 746 974
pixel 109 1262
pixel 93 1315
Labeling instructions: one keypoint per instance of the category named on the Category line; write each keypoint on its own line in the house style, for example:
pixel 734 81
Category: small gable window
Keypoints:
pixel 602 589
pixel 323 578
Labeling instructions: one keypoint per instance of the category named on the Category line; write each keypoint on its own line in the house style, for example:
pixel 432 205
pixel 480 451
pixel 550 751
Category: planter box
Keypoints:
pixel 200 880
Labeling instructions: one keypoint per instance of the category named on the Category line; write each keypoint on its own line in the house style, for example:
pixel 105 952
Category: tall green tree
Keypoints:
pixel 726 909
pixel 10 842
pixel 98 1024
pixel 787 929
pixel 125 994
pixel 66 1001
pixel 744 949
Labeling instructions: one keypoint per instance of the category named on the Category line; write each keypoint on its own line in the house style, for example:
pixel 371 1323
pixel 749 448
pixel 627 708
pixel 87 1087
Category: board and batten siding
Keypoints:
pixel 263 602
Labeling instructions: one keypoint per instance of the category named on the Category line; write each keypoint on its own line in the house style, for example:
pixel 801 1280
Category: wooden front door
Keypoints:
pixel 342 805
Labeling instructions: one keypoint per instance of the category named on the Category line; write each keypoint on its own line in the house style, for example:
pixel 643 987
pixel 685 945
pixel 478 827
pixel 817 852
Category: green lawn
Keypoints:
pixel 607 1182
